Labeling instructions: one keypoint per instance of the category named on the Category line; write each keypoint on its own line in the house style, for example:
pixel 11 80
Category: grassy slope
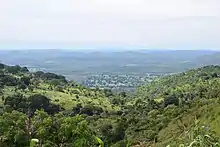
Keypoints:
pixel 208 115
pixel 65 99
pixel 184 81
pixel 185 85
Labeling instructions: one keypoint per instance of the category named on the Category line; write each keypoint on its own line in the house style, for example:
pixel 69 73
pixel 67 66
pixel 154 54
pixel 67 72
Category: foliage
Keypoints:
pixel 101 143
pixel 25 80
pixel 57 112
pixel 62 131
pixel 13 129
pixel 199 136
pixel 34 142
pixel 54 131
pixel 16 102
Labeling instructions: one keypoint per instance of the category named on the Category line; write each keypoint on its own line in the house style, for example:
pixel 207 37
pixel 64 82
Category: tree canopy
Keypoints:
pixel 57 112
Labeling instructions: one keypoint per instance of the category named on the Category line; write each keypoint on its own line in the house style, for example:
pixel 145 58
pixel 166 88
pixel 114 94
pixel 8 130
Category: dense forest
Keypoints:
pixel 44 109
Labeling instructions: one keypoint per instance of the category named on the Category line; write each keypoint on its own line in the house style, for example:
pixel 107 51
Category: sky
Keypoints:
pixel 93 24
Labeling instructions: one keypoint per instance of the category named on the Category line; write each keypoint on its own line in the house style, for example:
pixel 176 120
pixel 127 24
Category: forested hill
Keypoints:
pixel 191 81
pixel 173 110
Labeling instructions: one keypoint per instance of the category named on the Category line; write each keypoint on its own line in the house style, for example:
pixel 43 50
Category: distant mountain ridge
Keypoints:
pixel 78 63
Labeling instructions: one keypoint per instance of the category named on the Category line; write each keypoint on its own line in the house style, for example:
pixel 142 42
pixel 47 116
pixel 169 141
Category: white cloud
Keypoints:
pixel 148 23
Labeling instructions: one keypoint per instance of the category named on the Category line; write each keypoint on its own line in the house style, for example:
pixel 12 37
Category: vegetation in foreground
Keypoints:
pixel 177 110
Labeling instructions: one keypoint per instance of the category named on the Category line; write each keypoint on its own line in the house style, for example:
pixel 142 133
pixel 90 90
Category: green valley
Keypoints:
pixel 175 110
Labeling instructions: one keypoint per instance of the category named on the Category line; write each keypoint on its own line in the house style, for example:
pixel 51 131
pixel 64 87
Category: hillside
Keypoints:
pixel 193 95
pixel 186 83
pixel 57 112
pixel 67 94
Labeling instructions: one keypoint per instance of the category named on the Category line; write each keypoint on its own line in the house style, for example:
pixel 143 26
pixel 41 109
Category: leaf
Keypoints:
pixel 34 142
pixel 101 144
pixel 193 143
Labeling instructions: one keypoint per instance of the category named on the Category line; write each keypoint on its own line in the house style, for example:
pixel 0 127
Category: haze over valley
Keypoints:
pixel 119 70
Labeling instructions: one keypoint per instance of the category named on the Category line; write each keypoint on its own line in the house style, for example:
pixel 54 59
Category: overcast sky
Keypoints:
pixel 173 24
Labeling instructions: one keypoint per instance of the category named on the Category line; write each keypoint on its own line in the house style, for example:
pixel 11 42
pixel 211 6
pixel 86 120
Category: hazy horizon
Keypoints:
pixel 110 24
pixel 103 49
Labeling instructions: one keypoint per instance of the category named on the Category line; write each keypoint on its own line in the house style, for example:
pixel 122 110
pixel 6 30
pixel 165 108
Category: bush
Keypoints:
pixel 9 80
pixel 91 110
pixel 171 100
pixel 25 80
pixel 16 102
pixel 198 136
pixel 38 101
